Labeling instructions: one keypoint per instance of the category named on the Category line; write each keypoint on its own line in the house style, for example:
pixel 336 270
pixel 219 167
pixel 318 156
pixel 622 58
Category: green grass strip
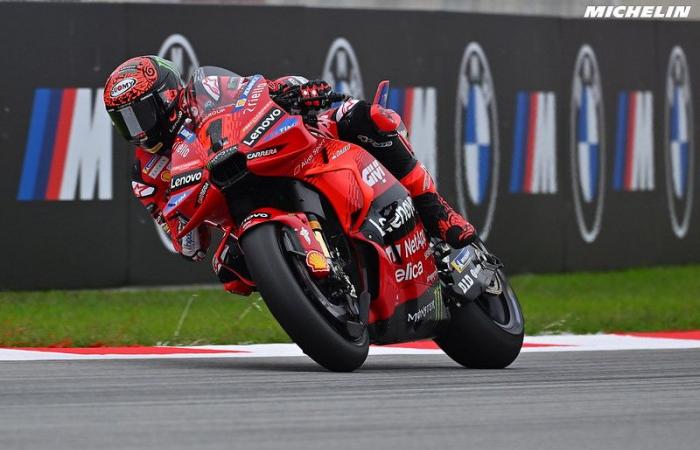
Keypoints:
pixel 654 299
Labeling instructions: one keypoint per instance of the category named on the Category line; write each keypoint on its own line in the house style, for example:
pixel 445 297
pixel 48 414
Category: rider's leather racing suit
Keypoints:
pixel 376 129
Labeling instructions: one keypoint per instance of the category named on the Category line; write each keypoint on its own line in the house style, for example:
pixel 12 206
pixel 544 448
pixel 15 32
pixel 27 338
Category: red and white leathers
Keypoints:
pixel 378 130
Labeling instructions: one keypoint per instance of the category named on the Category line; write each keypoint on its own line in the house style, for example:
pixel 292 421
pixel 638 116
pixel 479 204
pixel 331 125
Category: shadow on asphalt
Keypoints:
pixel 293 364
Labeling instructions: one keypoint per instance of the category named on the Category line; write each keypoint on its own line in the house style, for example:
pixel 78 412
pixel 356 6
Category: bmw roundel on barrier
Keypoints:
pixel 587 144
pixel 679 143
pixel 177 48
pixel 341 69
pixel 476 140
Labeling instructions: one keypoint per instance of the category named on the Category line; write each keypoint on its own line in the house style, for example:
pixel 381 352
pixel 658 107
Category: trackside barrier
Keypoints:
pixel 570 143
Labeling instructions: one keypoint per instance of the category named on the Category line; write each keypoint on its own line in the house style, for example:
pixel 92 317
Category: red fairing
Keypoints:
pixel 386 120
pixel 300 224
pixel 150 182
pixel 246 126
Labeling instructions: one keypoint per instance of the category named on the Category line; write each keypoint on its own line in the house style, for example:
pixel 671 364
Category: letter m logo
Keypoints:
pixel 534 169
pixel 68 154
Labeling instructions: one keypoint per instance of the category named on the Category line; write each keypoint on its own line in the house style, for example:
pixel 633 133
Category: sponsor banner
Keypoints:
pixel 533 169
pixel 68 155
pixel 417 106
pixel 569 143
pixel 634 142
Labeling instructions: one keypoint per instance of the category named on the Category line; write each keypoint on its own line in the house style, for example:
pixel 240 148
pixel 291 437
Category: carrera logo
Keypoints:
pixel 121 87
pixel 185 179
pixel 263 126
pixel 373 174
pixel 261 153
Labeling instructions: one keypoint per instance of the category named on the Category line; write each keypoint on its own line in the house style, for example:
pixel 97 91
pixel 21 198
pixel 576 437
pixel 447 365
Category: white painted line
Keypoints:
pixel 554 343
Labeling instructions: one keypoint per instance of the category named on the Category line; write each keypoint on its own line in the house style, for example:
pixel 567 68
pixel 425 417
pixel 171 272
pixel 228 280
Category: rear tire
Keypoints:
pixel 304 323
pixel 479 339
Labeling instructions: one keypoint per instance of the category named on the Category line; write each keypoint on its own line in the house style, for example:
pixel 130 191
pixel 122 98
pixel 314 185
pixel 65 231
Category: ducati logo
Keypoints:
pixel 587 144
pixel 679 143
pixel 477 153
pixel 178 49
pixel 342 70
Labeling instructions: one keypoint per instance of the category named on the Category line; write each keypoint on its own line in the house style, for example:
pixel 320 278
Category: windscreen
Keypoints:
pixel 211 88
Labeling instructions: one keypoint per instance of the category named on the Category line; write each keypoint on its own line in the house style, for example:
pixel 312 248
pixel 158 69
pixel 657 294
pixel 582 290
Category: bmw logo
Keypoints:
pixel 341 69
pixel 587 144
pixel 177 49
pixel 476 140
pixel 679 142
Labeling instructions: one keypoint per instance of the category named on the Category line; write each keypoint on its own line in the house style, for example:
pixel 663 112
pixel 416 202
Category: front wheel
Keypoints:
pixel 291 297
pixel 486 333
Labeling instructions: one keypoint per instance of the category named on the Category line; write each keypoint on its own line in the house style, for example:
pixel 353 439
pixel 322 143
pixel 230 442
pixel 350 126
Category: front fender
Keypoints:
pixel 307 243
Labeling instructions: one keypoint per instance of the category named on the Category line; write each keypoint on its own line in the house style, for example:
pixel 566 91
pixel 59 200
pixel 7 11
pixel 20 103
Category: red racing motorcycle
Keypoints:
pixel 331 240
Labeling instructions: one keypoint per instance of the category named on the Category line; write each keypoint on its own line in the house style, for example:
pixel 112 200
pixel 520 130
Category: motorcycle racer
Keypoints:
pixel 147 101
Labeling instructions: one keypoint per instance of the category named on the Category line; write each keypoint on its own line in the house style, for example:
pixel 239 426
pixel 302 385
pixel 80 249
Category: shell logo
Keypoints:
pixel 316 261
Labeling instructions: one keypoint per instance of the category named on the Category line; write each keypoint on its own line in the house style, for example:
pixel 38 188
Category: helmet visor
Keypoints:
pixel 137 121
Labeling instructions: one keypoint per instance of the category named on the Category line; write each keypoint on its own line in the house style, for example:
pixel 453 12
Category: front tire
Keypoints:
pixel 280 287
pixel 487 333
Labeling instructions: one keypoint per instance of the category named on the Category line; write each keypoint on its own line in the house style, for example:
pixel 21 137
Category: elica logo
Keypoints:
pixel 477 154
pixel 121 87
pixel 679 142
pixel 186 179
pixel 637 12
pixel 587 144
pixel 68 155
pixel 261 127
pixel 417 106
pixel 178 49
pixel 534 169
pixel 342 70
pixel 634 142
pixel 373 174
pixel 410 272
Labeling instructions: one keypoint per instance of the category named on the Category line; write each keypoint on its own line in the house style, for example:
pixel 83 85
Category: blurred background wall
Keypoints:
pixel 569 142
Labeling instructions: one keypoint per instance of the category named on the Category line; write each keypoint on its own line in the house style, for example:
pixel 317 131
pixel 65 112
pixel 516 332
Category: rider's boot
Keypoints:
pixel 380 131
pixel 439 218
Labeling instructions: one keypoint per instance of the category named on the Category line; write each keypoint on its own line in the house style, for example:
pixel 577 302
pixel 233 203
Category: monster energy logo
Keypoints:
pixel 439 305
pixel 167 64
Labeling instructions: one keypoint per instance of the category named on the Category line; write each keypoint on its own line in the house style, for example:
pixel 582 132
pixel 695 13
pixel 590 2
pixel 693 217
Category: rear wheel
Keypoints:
pixel 486 333
pixel 310 313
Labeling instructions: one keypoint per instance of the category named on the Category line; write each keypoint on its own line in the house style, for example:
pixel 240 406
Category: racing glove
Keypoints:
pixel 310 96
pixel 313 94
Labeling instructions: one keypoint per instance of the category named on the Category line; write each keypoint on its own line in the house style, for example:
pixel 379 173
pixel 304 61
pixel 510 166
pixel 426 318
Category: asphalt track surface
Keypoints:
pixel 642 399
